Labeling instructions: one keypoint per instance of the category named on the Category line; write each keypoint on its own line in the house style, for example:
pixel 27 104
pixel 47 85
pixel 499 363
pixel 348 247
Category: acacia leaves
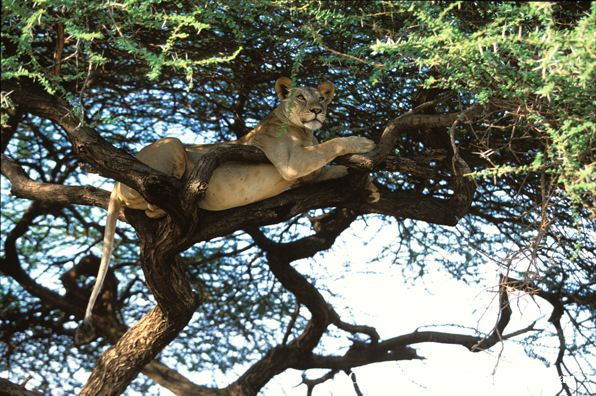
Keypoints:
pixel 524 55
pixel 56 41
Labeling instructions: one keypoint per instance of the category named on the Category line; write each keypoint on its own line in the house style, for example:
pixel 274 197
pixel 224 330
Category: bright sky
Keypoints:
pixel 394 308
pixel 383 301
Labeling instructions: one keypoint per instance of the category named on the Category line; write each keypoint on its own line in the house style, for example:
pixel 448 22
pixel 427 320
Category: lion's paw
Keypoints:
pixel 357 144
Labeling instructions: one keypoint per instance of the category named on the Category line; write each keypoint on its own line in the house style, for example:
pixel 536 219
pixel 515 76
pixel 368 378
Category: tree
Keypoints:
pixel 483 114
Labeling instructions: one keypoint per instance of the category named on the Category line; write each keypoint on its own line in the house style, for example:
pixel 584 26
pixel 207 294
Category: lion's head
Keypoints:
pixel 306 107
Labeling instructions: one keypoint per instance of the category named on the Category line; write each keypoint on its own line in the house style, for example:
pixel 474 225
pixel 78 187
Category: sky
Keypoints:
pixel 375 294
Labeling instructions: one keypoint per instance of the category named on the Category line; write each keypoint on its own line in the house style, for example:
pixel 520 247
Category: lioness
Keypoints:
pixel 286 137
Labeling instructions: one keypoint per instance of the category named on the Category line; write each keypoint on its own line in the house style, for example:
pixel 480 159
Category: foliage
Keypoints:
pixel 139 70
pixel 522 54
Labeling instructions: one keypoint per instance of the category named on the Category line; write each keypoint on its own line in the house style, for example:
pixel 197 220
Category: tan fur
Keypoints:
pixel 286 137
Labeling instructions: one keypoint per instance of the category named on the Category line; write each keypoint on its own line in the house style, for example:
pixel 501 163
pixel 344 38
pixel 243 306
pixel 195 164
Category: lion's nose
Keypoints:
pixel 316 111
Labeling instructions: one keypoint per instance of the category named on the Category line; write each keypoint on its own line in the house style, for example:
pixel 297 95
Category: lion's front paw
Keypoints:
pixel 357 144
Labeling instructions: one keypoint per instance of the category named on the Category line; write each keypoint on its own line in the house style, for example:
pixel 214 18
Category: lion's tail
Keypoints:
pixel 85 330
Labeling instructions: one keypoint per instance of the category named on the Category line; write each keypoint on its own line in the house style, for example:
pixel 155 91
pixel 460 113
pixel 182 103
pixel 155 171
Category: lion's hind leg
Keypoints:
pixel 167 155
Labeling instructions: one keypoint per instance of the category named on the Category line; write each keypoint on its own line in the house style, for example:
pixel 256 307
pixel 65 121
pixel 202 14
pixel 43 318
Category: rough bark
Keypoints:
pixel 176 303
pixel 121 363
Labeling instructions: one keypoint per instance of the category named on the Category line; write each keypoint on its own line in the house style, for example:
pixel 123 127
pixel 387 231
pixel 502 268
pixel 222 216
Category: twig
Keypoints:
pixel 352 376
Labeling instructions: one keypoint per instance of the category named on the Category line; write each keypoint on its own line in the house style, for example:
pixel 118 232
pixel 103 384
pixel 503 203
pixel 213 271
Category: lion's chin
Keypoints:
pixel 314 124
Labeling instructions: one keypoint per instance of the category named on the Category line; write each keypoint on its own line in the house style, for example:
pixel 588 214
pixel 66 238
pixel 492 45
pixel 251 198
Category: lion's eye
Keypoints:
pixel 300 97
pixel 321 99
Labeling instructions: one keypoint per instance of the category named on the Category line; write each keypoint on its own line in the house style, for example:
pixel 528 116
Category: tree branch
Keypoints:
pixel 555 318
pixel 359 354
pixel 121 363
pixel 9 389
pixel 279 257
pixel 504 316
pixel 23 187
pixel 197 183
pixel 353 329
pixel 8 130
pixel 177 383
pixel 352 376
pixel 165 191
pixel 397 348
pixel 412 165
pixel 402 123
pixel 281 357
pixel 92 149
pixel 162 240
pixel 176 303
pixel 311 383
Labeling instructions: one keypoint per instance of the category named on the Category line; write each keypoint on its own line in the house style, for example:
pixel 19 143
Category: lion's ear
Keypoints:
pixel 282 87
pixel 327 89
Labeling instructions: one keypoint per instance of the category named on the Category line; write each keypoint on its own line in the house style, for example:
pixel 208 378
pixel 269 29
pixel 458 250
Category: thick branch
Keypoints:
pixel 167 280
pixel 335 223
pixel 121 363
pixel 333 193
pixel 503 321
pixel 160 242
pixel 7 388
pixel 176 304
pixel 280 358
pixel 397 348
pixel 359 354
pixel 164 191
pixel 176 383
pixel 411 165
pixel 106 323
pixel 280 255
pixel 23 187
